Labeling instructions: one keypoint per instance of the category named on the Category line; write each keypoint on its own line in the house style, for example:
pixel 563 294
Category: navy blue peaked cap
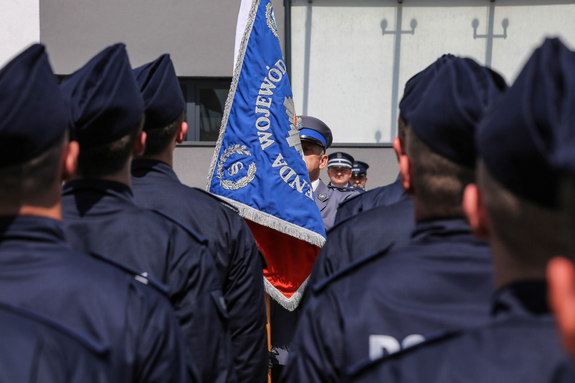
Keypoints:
pixel 104 98
pixel 314 130
pixel 359 167
pixel 416 85
pixel 530 132
pixel 452 106
pixel 163 97
pixel 33 112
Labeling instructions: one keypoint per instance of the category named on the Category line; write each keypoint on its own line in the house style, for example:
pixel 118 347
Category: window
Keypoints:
pixel 205 104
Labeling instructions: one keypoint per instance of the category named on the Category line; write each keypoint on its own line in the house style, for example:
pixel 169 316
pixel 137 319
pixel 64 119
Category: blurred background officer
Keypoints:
pixel 156 186
pixel 359 174
pixel 515 203
pixel 339 166
pixel 354 238
pixel 441 279
pixel 315 138
pixel 36 350
pixel 38 269
pixel 100 215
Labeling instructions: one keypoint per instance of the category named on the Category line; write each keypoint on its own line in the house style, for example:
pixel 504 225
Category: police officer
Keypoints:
pixel 394 192
pixel 315 138
pixel 442 278
pixel 35 350
pixel 515 203
pixel 38 269
pixel 353 238
pixel 339 166
pixel 156 186
pixel 100 215
pixel 359 174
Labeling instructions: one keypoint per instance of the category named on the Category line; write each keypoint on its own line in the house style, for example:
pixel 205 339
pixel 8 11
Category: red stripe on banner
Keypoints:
pixel 289 260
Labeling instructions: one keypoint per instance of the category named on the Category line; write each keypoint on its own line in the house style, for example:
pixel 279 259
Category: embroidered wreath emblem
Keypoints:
pixel 235 168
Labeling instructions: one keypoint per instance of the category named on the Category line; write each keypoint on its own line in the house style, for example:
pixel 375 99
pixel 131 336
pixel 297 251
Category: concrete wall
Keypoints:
pixel 19 26
pixel 198 34
pixel 351 59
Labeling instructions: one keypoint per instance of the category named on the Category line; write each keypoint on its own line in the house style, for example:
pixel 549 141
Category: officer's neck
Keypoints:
pixel 165 157
pixel 122 176
pixel 424 212
pixel 511 267
pixel 47 205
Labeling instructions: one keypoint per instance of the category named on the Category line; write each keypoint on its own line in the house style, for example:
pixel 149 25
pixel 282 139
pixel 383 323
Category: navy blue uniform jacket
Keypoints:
pixel 36 350
pixel 519 345
pixel 439 281
pixel 156 186
pixel 40 272
pixel 380 196
pixel 362 235
pixel 101 217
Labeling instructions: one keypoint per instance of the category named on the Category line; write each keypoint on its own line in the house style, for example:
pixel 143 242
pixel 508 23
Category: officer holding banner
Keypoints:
pixel 316 137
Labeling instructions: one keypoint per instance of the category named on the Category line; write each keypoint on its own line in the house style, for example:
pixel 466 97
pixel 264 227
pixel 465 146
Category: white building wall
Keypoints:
pixel 19 26
pixel 349 64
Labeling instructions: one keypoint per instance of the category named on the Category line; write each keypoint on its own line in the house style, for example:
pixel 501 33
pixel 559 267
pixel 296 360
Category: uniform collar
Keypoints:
pixel 144 166
pixel 99 186
pixel 523 298
pixel 439 228
pixel 315 184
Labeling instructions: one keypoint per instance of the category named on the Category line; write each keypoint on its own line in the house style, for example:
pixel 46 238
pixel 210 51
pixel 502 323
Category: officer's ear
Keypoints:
pixel 70 160
pixel 474 209
pixel 397 148
pixel 561 280
pixel 405 172
pixel 140 144
pixel 181 135
pixel 323 161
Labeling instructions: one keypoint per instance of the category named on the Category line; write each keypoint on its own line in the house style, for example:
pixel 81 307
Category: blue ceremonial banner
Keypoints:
pixel 258 162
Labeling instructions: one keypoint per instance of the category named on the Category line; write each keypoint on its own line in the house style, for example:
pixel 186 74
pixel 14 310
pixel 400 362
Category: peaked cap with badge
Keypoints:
pixel 314 130
pixel 340 160
pixel 33 113
pixel 104 98
pixel 359 168
pixel 163 97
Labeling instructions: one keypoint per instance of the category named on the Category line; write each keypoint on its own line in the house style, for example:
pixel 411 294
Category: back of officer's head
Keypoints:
pixel 440 133
pixel 107 111
pixel 33 124
pixel 163 101
pixel 518 143
pixel 414 90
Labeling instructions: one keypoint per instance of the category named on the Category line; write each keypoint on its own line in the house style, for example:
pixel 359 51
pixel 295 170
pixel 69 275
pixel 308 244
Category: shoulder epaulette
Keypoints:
pixel 198 237
pixel 433 338
pixel 348 269
pixel 218 199
pixel 140 277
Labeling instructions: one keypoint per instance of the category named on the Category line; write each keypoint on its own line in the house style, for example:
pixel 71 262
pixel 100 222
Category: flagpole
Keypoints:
pixel 269 331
